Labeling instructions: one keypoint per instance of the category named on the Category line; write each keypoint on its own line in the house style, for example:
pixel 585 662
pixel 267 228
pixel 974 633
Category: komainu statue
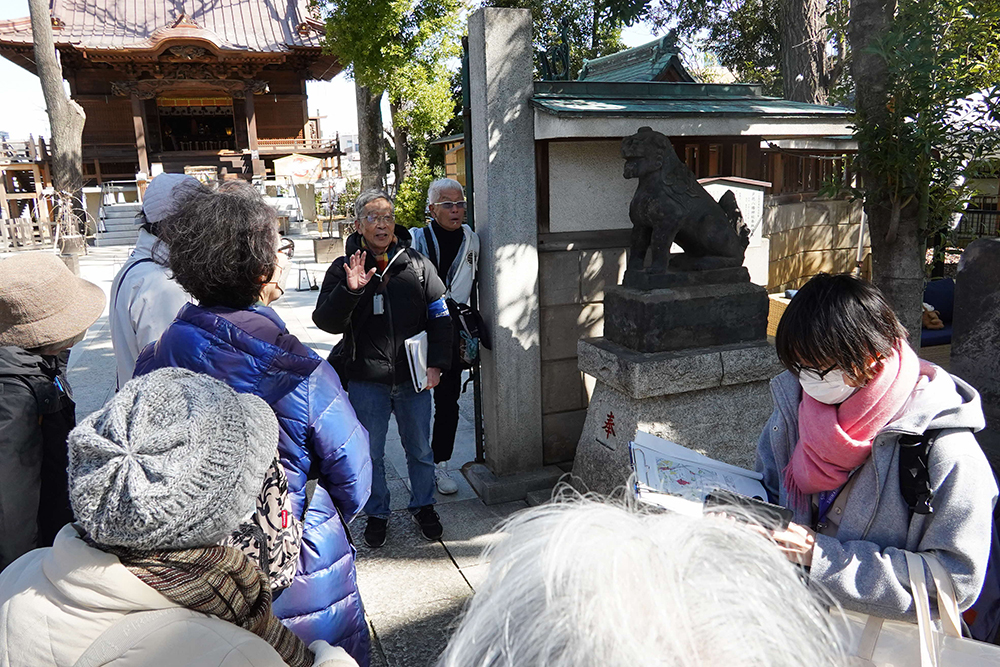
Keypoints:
pixel 671 206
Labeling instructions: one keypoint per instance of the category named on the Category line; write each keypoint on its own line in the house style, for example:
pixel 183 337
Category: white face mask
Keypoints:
pixel 281 272
pixel 830 389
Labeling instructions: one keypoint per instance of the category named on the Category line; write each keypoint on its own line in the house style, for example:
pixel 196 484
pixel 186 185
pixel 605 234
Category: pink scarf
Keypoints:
pixel 836 439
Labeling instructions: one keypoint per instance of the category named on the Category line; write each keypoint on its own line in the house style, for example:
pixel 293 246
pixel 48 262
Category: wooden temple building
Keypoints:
pixel 207 83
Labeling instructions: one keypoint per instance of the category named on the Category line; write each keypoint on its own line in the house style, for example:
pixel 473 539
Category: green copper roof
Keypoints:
pixel 649 62
pixel 586 98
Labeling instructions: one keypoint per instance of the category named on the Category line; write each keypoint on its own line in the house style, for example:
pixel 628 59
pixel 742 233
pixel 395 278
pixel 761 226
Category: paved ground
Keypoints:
pixel 413 589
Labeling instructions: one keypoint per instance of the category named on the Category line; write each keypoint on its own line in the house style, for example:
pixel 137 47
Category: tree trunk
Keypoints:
pixel 897 247
pixel 66 117
pixel 401 143
pixel 370 141
pixel 803 50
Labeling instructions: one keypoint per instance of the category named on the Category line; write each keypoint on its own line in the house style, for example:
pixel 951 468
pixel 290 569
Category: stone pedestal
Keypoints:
pixel 975 341
pixel 685 317
pixel 711 399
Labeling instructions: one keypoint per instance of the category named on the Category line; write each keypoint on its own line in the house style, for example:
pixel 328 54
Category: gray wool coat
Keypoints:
pixel 864 566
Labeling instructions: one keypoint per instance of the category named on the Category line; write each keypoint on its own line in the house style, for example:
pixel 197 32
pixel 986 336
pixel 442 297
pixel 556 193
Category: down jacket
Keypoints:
pixel 319 436
pixel 864 566
pixel 55 602
pixel 413 298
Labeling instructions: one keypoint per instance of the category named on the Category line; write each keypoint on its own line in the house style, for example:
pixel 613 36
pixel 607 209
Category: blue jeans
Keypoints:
pixel 373 403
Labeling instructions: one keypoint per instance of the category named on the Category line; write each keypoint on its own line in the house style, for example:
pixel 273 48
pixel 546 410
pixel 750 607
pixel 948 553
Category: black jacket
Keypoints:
pixel 36 414
pixel 413 295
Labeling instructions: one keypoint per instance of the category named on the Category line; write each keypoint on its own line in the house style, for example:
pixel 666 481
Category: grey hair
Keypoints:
pixel 583 583
pixel 435 188
pixel 222 244
pixel 367 197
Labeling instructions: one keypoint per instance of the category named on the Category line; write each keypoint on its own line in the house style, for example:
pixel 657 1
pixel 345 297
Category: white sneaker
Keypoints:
pixel 445 484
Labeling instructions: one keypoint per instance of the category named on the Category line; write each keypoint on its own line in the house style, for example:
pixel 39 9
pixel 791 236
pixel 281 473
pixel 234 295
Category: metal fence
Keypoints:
pixel 980 219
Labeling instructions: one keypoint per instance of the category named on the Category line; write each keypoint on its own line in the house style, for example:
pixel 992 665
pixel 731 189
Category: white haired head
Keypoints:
pixel 435 188
pixel 581 584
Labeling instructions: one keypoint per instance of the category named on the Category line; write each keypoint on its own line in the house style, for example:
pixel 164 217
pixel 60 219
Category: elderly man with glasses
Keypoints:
pixel 453 248
pixel 379 294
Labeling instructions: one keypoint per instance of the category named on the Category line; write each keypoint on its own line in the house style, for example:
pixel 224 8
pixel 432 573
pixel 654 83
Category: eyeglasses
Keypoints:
pixel 797 369
pixel 448 205
pixel 388 218
pixel 287 247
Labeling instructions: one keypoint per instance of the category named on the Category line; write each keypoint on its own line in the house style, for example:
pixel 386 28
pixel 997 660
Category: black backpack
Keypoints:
pixel 982 619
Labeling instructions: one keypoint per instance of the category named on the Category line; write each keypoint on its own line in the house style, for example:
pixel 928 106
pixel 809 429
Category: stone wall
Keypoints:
pixel 811 237
pixel 571 292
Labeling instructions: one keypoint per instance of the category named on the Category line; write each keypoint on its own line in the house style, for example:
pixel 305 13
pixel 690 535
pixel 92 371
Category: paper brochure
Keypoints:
pixel 668 474
pixel 416 355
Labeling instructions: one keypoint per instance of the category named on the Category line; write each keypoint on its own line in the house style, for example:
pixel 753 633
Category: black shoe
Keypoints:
pixel 429 522
pixel 375 532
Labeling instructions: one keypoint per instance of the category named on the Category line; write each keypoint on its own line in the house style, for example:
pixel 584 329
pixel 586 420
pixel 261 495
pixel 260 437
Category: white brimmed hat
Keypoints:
pixel 164 194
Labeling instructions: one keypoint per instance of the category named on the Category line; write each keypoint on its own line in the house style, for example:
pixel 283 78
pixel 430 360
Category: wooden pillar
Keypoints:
pixel 258 166
pixel 36 175
pixel 139 122
pixel 4 209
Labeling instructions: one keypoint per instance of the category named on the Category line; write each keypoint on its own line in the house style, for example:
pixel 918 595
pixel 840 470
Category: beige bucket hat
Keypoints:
pixel 42 302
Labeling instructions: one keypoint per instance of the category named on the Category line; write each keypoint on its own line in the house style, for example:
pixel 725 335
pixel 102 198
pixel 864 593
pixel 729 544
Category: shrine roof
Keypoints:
pixel 584 98
pixel 230 25
pixel 658 60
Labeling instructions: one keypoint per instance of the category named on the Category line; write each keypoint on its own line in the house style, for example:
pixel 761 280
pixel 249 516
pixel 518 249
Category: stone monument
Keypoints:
pixel 685 354
pixel 975 341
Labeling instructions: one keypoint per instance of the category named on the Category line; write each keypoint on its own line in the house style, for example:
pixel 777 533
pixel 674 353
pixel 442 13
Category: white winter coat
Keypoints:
pixel 143 304
pixel 461 275
pixel 55 602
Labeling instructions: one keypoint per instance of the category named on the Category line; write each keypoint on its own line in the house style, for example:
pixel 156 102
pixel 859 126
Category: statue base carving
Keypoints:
pixel 714 400
pixel 692 316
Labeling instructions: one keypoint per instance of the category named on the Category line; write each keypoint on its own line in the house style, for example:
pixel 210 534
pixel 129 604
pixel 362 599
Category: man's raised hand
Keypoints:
pixel 354 267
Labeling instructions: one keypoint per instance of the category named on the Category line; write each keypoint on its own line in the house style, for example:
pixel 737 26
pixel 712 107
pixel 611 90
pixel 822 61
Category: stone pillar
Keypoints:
pixel 503 164
pixel 975 339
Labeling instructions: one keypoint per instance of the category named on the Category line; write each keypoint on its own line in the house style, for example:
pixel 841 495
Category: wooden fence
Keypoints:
pixel 24 234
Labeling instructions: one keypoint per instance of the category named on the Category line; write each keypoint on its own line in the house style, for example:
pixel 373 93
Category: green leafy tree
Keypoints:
pixel 411 198
pixel 928 84
pixel 794 48
pixel 345 202
pixel 595 26
pixel 401 48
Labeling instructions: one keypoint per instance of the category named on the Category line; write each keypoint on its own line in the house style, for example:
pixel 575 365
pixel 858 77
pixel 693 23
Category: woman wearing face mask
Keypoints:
pixel 854 394
pixel 226 252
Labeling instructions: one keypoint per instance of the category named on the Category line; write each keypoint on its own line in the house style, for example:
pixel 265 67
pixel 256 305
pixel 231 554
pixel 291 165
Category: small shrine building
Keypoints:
pixel 208 83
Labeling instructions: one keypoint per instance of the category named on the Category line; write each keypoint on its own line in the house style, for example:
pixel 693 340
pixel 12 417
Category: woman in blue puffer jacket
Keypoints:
pixel 224 250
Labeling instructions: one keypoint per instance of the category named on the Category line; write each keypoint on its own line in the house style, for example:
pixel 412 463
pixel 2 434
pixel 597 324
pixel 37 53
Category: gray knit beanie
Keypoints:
pixel 175 460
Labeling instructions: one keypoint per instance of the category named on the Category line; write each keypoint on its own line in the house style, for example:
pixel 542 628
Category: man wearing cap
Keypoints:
pixel 144 297
pixel 44 310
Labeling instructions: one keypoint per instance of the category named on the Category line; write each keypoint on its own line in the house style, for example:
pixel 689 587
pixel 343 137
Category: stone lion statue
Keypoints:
pixel 671 206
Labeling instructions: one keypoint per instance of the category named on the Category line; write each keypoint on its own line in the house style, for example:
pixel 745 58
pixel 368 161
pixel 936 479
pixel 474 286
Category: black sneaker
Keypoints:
pixel 429 522
pixel 375 531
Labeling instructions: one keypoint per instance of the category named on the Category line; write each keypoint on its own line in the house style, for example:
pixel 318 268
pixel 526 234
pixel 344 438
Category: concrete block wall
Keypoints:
pixel 571 295
pixel 811 237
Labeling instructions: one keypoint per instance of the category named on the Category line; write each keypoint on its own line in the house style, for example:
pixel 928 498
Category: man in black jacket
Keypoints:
pixel 378 295
pixel 44 310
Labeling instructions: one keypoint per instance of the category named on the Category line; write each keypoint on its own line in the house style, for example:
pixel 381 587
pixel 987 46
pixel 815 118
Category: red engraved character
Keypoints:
pixel 609 425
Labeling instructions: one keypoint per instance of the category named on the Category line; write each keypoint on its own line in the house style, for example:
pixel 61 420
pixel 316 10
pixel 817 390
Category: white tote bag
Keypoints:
pixel 883 643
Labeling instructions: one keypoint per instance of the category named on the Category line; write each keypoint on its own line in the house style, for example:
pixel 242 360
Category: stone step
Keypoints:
pixel 109 243
pixel 116 238
pixel 121 226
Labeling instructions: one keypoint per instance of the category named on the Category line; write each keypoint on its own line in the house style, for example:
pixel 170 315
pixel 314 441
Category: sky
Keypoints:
pixel 332 99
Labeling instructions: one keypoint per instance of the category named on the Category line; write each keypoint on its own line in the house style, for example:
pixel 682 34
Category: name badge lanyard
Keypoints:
pixel 378 301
